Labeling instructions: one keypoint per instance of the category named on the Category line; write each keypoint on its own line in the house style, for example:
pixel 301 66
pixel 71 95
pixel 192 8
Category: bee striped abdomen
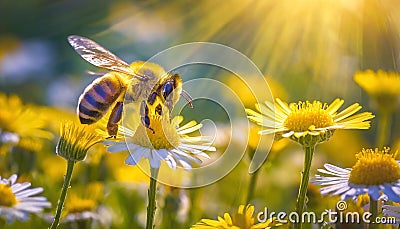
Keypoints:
pixel 98 97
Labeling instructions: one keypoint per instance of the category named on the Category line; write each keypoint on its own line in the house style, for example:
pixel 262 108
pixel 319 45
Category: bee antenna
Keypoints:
pixel 188 98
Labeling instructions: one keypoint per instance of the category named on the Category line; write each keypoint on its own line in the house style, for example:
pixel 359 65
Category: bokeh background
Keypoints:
pixel 306 49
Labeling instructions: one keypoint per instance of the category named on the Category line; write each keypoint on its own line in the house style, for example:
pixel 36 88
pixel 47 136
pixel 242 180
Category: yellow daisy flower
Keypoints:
pixel 242 219
pixel 383 86
pixel 75 141
pixel 384 89
pixel 21 125
pixel 307 122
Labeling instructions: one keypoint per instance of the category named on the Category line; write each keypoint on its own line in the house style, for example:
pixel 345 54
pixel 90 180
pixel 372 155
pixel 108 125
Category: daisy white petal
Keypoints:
pixel 29 192
pixel 392 192
pixel 18 187
pixel 16 201
pixel 121 146
pixel 130 161
pixel 375 173
pixel 392 211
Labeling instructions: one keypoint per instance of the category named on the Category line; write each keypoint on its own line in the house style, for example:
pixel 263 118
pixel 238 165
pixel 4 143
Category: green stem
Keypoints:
pixel 373 209
pixel 83 224
pixel 61 200
pixel 383 133
pixel 309 151
pixel 195 199
pixel 172 204
pixel 252 186
pixel 2 223
pixel 151 207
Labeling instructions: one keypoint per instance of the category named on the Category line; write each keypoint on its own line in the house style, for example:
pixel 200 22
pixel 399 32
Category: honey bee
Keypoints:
pixel 150 87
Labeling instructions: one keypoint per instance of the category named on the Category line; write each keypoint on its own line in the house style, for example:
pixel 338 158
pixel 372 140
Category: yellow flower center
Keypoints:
pixel 375 167
pixel 308 116
pixel 78 205
pixel 7 197
pixel 163 137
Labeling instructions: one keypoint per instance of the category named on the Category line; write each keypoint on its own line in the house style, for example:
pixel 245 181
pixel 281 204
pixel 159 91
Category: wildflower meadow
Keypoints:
pixel 207 114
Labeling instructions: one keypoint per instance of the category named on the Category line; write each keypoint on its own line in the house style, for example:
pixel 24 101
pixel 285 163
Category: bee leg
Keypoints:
pixel 152 98
pixel 144 113
pixel 146 123
pixel 115 117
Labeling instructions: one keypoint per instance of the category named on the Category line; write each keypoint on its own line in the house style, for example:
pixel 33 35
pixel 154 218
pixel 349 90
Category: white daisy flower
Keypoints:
pixel 392 211
pixel 168 143
pixel 17 201
pixel 99 216
pixel 376 173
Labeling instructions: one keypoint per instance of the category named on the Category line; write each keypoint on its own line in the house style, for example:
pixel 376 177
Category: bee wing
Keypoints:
pixel 96 74
pixel 99 56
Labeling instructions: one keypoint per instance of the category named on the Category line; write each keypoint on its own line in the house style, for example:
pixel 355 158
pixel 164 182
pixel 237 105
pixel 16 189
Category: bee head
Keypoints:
pixel 171 89
pixel 167 89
